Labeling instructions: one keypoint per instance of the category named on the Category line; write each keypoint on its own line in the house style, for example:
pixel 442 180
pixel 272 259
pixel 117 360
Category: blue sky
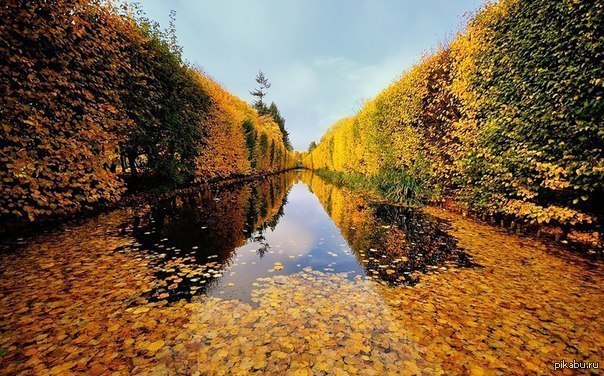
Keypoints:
pixel 323 57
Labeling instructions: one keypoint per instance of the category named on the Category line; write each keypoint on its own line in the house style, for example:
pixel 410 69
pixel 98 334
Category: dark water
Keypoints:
pixel 220 241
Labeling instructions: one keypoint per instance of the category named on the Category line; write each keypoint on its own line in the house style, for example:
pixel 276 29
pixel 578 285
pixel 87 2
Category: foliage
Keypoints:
pixel 234 132
pixel 280 120
pixel 91 94
pixel 60 107
pixel 507 119
pixel 169 130
pixel 394 185
pixel 537 103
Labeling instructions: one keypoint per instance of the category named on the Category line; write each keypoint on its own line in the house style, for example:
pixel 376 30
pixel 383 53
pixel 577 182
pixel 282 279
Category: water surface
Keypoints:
pixel 219 242
pixel 291 274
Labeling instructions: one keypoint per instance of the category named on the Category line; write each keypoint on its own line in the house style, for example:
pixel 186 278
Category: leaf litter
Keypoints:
pixel 70 304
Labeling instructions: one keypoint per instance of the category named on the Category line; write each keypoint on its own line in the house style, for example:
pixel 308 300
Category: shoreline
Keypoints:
pixel 14 229
pixel 573 240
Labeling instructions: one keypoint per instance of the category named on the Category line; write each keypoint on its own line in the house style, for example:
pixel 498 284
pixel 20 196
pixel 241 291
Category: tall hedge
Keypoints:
pixel 507 119
pixel 62 65
pixel 538 83
pixel 90 94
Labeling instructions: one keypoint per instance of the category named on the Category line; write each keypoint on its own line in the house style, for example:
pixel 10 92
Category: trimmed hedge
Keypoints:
pixel 90 94
pixel 507 119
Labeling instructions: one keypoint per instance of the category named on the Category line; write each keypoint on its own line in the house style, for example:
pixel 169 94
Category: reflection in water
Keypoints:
pixel 395 243
pixel 218 242
pixel 70 304
pixel 192 238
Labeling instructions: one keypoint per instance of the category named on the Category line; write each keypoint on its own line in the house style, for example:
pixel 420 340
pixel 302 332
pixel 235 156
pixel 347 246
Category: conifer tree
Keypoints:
pixel 260 92
pixel 280 120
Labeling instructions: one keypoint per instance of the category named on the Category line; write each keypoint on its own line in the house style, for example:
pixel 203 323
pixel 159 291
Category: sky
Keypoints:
pixel 322 57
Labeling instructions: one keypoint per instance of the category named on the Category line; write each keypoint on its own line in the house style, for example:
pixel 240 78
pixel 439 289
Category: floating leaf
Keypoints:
pixel 154 346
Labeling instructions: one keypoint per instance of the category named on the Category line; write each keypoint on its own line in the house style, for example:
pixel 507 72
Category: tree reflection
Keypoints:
pixel 395 244
pixel 196 233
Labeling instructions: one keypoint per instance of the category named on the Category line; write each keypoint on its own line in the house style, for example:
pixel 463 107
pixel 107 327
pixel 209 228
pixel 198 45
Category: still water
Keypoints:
pixel 220 242
pixel 291 274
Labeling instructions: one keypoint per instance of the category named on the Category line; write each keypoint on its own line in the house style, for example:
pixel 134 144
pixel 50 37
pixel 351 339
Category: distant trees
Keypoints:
pixel 260 92
pixel 271 110
pixel 234 130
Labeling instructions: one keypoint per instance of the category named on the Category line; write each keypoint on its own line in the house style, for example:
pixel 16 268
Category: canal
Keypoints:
pixel 292 274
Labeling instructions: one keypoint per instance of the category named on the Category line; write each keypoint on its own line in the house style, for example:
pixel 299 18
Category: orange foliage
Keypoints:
pixel 83 83
pixel 61 112
pixel 225 152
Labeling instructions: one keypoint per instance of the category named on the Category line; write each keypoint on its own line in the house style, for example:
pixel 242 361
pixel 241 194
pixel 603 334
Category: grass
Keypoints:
pixel 341 179
pixel 393 185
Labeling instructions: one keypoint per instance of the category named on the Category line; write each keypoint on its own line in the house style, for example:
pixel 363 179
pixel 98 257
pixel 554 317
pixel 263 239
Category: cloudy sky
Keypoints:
pixel 323 57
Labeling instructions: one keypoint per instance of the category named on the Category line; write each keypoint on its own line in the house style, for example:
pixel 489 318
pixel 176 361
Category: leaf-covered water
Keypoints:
pixel 219 242
pixel 290 273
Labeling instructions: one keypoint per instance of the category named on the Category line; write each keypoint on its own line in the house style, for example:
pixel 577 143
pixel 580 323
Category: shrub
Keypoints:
pixel 507 119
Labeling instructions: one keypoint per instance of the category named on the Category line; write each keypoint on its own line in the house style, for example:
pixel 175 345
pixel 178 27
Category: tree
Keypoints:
pixel 312 146
pixel 280 120
pixel 168 107
pixel 260 93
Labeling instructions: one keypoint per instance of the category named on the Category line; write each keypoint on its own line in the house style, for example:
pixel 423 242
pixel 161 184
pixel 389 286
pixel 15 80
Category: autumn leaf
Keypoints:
pixel 154 346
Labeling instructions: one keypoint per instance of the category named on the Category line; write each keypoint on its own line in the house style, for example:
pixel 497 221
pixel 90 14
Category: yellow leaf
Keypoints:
pixel 154 346
pixel 140 310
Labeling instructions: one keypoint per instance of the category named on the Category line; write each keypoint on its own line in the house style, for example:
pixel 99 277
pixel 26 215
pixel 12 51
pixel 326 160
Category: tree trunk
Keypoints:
pixel 132 163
